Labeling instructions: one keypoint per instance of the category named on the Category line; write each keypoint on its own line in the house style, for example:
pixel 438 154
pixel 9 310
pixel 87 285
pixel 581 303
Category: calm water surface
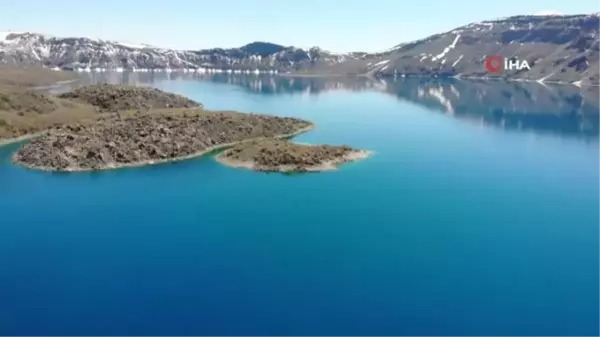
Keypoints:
pixel 478 215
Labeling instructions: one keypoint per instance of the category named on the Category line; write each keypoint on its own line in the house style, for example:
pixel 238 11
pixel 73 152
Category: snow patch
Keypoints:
pixel 457 60
pixel 4 36
pixel 447 49
pixel 131 45
pixel 381 63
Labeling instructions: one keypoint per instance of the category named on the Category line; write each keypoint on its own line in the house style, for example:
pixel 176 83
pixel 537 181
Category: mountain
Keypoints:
pixel 557 48
pixel 94 54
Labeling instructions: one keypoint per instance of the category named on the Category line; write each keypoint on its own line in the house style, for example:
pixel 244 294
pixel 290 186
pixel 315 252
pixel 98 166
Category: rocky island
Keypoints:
pixel 278 155
pixel 100 127
pixel 145 139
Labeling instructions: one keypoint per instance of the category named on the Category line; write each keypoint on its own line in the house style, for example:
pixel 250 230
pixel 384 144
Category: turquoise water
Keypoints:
pixel 477 215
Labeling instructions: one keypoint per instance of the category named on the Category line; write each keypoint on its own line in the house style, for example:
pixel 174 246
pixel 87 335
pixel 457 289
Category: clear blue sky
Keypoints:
pixel 336 25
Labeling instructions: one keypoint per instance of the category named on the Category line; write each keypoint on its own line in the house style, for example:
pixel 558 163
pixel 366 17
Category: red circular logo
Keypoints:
pixel 493 63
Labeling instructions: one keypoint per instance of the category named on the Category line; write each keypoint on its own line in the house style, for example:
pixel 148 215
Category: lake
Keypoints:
pixel 477 215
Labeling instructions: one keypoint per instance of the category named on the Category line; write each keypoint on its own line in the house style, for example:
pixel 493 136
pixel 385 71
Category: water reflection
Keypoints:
pixel 262 83
pixel 560 109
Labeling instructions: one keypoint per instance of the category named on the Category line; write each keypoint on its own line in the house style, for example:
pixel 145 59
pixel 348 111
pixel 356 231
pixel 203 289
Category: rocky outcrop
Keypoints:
pixel 275 155
pixel 108 97
pixel 144 139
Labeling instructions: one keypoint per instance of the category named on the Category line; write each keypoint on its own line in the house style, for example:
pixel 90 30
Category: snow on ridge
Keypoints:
pixel 4 36
pixel 380 63
pixel 131 45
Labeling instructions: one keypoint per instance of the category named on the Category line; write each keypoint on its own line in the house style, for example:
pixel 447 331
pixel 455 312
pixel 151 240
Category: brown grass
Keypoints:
pixel 28 77
pixel 111 97
pixel 25 111
pixel 18 123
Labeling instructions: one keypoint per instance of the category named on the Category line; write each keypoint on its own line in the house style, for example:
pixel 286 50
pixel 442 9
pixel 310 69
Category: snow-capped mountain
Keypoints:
pixel 97 55
pixel 557 48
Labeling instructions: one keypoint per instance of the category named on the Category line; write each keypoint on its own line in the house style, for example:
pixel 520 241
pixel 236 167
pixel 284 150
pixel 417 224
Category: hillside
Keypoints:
pixel 26 111
pixel 100 55
pixel 558 49
pixel 108 97
pixel 29 77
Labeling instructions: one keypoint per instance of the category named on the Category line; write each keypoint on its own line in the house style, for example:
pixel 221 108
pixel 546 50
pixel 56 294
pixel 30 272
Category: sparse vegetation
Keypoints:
pixel 278 155
pixel 143 126
pixel 109 97
pixel 29 77
pixel 142 139
pixel 25 110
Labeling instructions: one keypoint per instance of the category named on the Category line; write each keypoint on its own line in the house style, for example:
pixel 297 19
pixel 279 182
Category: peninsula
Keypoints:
pixel 276 155
pixel 99 127
pixel 146 139
pixel 26 110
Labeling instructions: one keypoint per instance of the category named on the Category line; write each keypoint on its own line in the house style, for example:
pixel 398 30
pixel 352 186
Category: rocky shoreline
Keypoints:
pixel 147 139
pixel 101 127
pixel 276 155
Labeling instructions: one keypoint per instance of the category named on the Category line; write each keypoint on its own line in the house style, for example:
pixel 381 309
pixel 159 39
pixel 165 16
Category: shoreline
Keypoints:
pixel 328 165
pixel 162 161
pixel 367 75
pixel 9 141
pixel 460 77
pixel 316 75
pixel 55 85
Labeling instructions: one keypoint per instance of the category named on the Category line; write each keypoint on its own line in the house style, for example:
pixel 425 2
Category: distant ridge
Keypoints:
pixel 561 48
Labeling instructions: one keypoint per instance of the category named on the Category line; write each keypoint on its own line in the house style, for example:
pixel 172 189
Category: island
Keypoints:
pixel 145 139
pixel 280 155
pixel 99 127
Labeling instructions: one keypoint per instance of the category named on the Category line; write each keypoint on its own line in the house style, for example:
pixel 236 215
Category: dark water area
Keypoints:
pixel 477 215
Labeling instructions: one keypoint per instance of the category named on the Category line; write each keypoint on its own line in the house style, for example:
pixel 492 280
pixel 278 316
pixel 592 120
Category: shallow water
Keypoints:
pixel 477 215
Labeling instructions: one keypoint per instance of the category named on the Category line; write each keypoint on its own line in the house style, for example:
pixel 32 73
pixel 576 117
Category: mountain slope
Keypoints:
pixel 93 54
pixel 558 48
